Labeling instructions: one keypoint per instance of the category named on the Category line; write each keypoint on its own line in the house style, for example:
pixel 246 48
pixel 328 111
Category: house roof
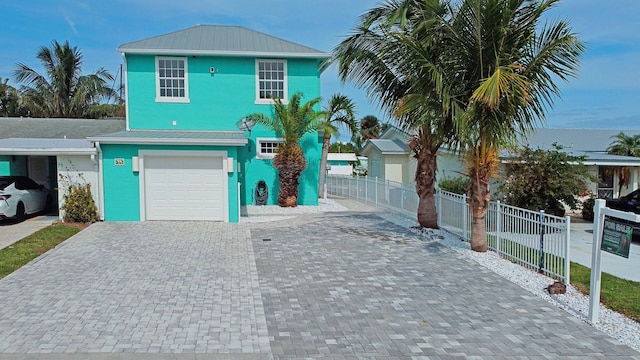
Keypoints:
pixel 589 140
pixel 591 143
pixel 54 128
pixel 341 157
pixel 220 40
pixel 173 137
pixel 40 146
pixel 386 146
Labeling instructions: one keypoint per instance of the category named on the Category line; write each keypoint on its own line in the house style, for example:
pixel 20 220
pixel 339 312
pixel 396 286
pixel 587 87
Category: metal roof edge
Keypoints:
pixel 168 141
pixel 71 151
pixel 319 55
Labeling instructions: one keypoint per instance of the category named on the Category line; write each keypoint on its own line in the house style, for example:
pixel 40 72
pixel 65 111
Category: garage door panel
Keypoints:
pixel 184 188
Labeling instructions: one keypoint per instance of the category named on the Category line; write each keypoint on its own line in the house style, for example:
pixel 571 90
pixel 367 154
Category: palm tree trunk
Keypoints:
pixel 425 187
pixel 290 164
pixel 323 163
pixel 479 194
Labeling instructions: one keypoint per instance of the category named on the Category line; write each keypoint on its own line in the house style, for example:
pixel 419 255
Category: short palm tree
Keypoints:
pixel 290 122
pixel 626 146
pixel 339 110
pixel 63 91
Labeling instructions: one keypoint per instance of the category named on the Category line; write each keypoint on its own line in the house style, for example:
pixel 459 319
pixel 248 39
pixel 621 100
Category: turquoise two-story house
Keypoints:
pixel 185 153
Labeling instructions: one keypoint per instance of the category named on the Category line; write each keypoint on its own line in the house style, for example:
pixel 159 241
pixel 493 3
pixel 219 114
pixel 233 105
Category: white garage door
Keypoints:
pixel 184 188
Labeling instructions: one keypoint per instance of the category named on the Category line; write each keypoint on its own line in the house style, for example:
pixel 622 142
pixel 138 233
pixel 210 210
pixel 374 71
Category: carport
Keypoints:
pixel 53 163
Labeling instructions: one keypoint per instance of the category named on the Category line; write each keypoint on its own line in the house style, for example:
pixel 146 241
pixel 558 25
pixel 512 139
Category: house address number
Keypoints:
pixel 118 162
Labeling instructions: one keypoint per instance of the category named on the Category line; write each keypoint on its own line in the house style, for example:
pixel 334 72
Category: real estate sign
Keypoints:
pixel 616 236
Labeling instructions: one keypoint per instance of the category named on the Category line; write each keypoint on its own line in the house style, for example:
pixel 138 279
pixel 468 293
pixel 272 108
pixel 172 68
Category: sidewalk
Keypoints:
pixel 10 231
pixel 581 250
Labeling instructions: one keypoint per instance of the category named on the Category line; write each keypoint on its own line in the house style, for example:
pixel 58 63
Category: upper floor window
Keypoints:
pixel 271 80
pixel 172 84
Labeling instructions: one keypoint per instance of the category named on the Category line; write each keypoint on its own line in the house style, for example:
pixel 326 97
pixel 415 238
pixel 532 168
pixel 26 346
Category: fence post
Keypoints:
pixel 464 216
pixel 541 262
pixel 567 251
pixel 366 188
pixel 357 189
pixel 439 207
pixel 498 225
pixel 376 191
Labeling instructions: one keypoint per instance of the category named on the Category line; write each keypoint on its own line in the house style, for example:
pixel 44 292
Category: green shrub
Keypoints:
pixel 457 185
pixel 587 208
pixel 79 205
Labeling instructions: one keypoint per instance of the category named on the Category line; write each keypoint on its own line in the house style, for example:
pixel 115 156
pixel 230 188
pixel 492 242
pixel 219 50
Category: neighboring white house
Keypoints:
pixel 54 152
pixel 389 157
pixel 393 160
pixel 341 163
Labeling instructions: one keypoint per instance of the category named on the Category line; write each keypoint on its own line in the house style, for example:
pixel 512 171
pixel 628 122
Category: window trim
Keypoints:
pixel 259 141
pixel 285 94
pixel 172 99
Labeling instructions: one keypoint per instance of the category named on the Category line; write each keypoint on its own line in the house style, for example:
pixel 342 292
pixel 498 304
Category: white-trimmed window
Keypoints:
pixel 271 80
pixel 172 80
pixel 267 147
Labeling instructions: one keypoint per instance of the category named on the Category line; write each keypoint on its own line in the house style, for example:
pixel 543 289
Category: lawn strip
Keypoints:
pixel 22 252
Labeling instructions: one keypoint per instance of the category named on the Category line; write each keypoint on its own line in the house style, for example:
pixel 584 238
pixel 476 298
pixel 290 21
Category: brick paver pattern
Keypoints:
pixel 344 285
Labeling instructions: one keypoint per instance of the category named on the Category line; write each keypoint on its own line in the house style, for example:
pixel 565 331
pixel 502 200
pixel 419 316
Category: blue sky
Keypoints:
pixel 606 94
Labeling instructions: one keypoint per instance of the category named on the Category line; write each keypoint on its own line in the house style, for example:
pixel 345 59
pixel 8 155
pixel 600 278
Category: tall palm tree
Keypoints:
pixel 339 110
pixel 497 74
pixel 380 57
pixel 290 122
pixel 63 91
pixel 626 146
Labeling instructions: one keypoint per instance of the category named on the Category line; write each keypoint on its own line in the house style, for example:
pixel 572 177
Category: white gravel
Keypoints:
pixel 266 213
pixel 612 323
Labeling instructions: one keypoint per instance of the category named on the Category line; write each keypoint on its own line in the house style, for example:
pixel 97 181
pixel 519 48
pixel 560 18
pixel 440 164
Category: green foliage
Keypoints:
pixel 338 147
pixel 457 185
pixel 543 180
pixel 587 208
pixel 79 205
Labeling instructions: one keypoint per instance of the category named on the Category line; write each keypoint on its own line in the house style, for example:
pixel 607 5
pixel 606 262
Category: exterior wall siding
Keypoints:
pixel 216 101
pixel 122 185
pixel 77 169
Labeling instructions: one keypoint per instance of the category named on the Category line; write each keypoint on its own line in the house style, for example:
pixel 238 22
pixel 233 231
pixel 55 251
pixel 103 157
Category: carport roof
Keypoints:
pixel 31 146
pixel 173 137
pixel 54 128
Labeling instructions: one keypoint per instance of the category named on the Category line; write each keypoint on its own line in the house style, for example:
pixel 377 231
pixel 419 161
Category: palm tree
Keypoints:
pixel 497 76
pixel 369 127
pixel 380 57
pixel 64 91
pixel 626 146
pixel 9 99
pixel 339 110
pixel 290 122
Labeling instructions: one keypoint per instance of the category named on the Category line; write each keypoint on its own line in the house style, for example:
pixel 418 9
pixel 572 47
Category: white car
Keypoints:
pixel 21 196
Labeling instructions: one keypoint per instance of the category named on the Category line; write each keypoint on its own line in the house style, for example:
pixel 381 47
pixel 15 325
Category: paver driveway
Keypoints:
pixel 340 286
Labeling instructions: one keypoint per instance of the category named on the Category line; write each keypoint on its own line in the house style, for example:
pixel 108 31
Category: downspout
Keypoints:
pixel 100 181
pixel 126 92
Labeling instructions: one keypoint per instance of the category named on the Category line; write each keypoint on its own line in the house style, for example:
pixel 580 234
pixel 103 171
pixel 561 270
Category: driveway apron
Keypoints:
pixel 347 285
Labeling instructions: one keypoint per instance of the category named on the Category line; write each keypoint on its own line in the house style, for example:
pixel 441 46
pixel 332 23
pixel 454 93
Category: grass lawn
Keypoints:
pixel 617 294
pixel 34 245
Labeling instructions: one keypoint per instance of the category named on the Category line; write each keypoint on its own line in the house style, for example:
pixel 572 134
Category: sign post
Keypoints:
pixel 611 235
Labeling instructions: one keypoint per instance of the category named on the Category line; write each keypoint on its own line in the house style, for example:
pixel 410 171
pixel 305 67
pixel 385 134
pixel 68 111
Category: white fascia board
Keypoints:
pixel 47 152
pixel 147 141
pixel 225 53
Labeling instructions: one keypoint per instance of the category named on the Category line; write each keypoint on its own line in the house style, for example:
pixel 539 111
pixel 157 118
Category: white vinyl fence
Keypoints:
pixel 532 239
